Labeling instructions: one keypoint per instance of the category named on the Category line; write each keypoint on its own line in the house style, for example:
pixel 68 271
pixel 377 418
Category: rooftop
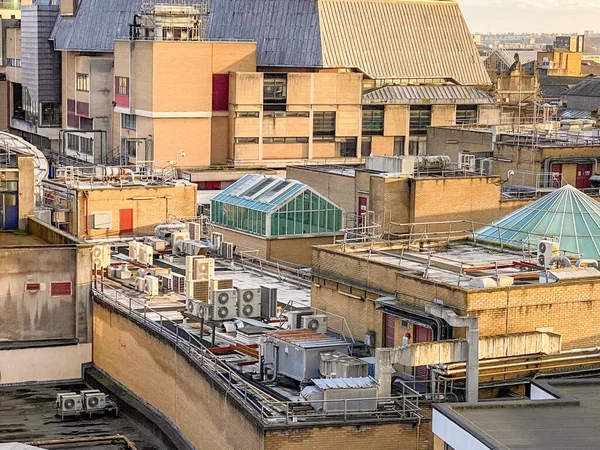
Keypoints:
pixel 418 95
pixel 590 87
pixel 19 239
pixel 570 421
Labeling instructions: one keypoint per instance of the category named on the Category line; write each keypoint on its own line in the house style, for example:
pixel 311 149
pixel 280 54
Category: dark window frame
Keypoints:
pixel 128 121
pixel 83 82
pixel 372 121
pixel 324 123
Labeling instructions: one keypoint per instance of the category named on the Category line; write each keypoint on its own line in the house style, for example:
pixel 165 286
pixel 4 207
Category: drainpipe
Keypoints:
pixel 472 325
pixel 86 195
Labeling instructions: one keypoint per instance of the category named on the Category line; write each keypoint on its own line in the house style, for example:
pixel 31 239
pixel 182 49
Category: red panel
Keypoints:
pixel 556 175
pixel 72 121
pixel 70 105
pixel 126 220
pixel 60 289
pixel 122 99
pixel 584 173
pixel 220 97
pixel 422 334
pixel 32 287
pixel 390 328
pixel 83 109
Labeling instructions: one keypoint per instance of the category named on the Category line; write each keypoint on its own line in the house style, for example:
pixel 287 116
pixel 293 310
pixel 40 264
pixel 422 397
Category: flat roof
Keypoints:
pixel 28 415
pixel 569 422
pixel 19 239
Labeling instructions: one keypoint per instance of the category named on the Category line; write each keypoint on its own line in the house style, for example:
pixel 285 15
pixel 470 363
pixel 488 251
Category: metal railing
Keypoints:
pixel 267 409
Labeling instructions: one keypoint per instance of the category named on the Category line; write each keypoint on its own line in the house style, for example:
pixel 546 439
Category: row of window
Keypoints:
pixel 13 62
pixel 80 144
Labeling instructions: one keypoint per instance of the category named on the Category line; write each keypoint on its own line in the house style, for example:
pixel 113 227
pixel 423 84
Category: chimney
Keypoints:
pixel 69 7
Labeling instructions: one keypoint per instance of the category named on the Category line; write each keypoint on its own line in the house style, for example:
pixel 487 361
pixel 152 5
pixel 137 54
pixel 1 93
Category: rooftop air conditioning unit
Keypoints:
pixel 221 283
pixel 227 250
pixel 166 282
pixel 179 236
pixel 217 240
pixel 546 251
pixel 487 166
pixel 178 283
pixel 268 302
pixel 195 307
pixel 133 250
pixel 140 284
pixel 145 255
pixel 224 304
pixel 204 269
pixel 93 400
pixel 467 162
pixel 100 257
pixel 249 303
pixel 198 290
pixel 295 317
pixel 69 403
pixel 315 323
pixel 195 230
pixel 151 285
pixel 159 245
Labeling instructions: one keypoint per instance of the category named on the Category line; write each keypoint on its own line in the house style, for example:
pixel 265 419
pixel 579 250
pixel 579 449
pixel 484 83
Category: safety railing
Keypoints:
pixel 269 409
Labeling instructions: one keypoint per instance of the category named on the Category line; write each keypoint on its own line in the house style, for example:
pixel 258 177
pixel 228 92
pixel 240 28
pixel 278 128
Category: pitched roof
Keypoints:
pixel 590 87
pixel 508 56
pixel 382 38
pixel 411 95
pixel 553 87
pixel 566 214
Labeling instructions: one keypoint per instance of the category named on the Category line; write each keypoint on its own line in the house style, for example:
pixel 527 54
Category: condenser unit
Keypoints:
pixel 93 400
pixel 195 307
pixel 295 317
pixel 227 250
pixel 68 403
pixel 217 240
pixel 268 302
pixel 249 303
pixel 179 236
pixel 140 284
pixel 224 304
pixel 60 217
pixel 145 255
pixel 198 290
pixel 546 251
pixel 178 283
pixel 316 323
pixel 195 230
pixel 151 285
pixel 218 284
pixel 133 250
pixel 100 257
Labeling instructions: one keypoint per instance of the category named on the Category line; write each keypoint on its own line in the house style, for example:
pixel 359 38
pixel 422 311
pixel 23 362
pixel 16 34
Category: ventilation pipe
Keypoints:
pixel 560 259
pixel 472 325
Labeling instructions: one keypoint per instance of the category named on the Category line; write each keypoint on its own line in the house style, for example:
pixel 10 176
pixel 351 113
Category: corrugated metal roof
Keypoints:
pixel 345 383
pixel 570 113
pixel 400 39
pixel 408 95
pixel 307 338
pixel 590 87
pixel 508 56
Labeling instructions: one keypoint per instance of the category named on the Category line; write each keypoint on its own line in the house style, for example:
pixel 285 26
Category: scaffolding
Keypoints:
pixel 171 21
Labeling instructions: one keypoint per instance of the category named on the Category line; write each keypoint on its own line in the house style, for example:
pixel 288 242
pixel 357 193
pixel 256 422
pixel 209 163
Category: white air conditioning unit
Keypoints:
pixel 133 250
pixel 204 269
pixel 195 230
pixel 100 257
pixel 217 240
pixel 68 403
pixel 198 290
pixel 487 166
pixel 546 251
pixel 167 282
pixel 140 284
pixel 249 303
pixel 179 236
pixel 158 245
pixel 467 162
pixel 178 283
pixel 295 317
pixel 93 400
pixel 315 323
pixel 151 285
pixel 195 307
pixel 145 255
pixel 102 221
pixel 227 250
pixel 224 303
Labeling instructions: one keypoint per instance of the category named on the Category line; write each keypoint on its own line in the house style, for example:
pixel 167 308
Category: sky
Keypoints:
pixel 531 16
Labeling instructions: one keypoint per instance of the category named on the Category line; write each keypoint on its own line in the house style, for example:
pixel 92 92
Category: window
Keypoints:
pixel 372 121
pixel 399 143
pixel 324 123
pixel 86 146
pixel 86 124
pixel 61 289
pixel 73 142
pixel 12 62
pixel 285 140
pixel 346 147
pixel 247 114
pixel 417 146
pixel 128 121
pixel 466 115
pixel 365 146
pixel 273 113
pixel 51 114
pixel 274 107
pixel 83 82
pixel 275 88
pixel 420 119
pixel 246 140
pixel 122 85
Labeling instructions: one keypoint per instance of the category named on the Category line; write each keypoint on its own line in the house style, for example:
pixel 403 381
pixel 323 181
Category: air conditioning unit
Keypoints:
pixel 166 282
pixel 151 285
pixel 60 217
pixel 140 284
pixel 295 317
pixel 159 245
pixel 198 290
pixel 133 250
pixel 93 400
pixel 179 236
pixel 123 273
pixel 546 251
pixel 268 302
pixel 100 257
pixel 487 166
pixel 224 304
pixel 68 403
pixel 249 302
pixel 145 255
pixel 195 307
pixel 227 250
pixel 315 323
pixel 178 283
pixel 217 240
pixel 218 284
pixel 102 221
pixel 467 162
pixel 195 230
pixel 204 268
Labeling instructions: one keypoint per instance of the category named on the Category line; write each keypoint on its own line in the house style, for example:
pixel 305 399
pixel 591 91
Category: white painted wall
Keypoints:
pixel 453 435
pixel 43 364
pixel 538 393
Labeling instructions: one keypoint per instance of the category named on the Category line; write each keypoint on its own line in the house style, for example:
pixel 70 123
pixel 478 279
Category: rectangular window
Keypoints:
pixel 466 115
pixel 51 114
pixel 13 62
pixel 285 140
pixel 128 121
pixel 399 143
pixel 417 146
pixel 275 88
pixel 61 289
pixel 365 146
pixel 324 123
pixel 286 114
pixel 346 147
pixel 372 121
pixel 83 82
pixel 86 146
pixel 247 114
pixel 122 85
pixel 420 119
pixel 246 140
pixel 73 142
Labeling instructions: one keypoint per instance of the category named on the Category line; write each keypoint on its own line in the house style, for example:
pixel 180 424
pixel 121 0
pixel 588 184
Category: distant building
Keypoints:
pixel 584 96
pixel 500 61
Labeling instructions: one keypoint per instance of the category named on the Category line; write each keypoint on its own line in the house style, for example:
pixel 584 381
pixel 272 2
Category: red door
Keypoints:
pixel 422 334
pixel 126 220
pixel 556 175
pixel 362 209
pixel 389 328
pixel 584 173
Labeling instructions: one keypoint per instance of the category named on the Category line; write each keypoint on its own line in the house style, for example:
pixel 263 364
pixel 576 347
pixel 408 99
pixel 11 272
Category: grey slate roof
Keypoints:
pixel 553 87
pixel 427 95
pixel 587 88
